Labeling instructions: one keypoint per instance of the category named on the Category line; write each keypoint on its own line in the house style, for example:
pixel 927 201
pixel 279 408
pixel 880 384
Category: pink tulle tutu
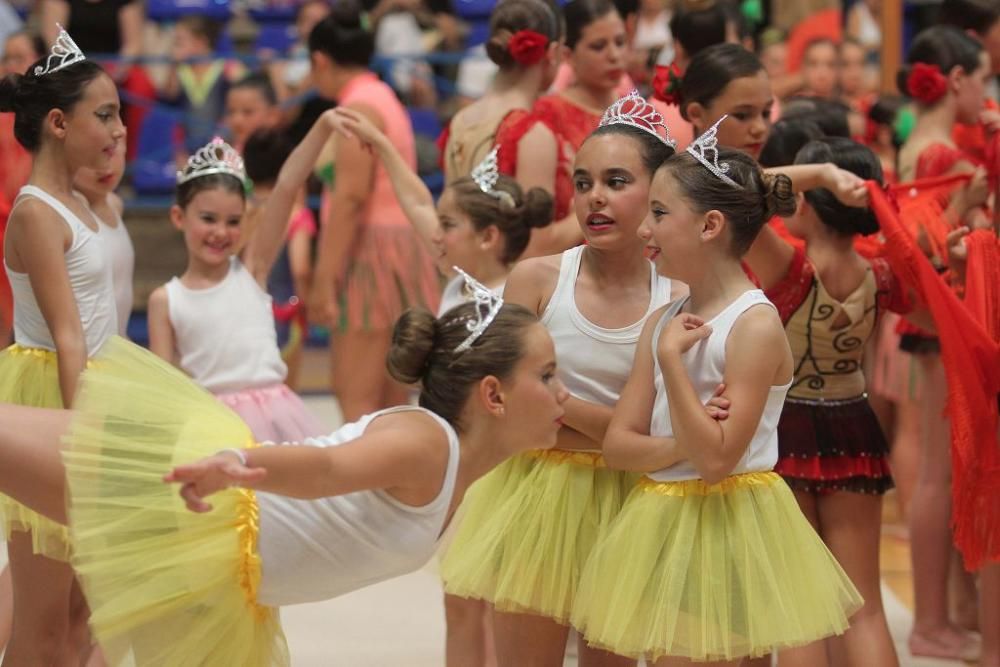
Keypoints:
pixel 274 414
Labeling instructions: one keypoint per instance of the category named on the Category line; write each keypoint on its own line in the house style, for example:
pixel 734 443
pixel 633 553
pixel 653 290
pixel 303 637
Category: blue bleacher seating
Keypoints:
pixel 425 123
pixel 274 14
pixel 154 171
pixel 277 37
pixel 474 9
pixel 479 32
pixel 165 11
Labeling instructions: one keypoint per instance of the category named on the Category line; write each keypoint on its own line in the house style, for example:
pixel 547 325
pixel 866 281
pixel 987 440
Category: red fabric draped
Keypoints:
pixel 971 359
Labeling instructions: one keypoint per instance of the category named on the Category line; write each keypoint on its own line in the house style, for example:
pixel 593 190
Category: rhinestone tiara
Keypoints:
pixel 488 305
pixel 215 157
pixel 635 111
pixel 705 149
pixel 64 53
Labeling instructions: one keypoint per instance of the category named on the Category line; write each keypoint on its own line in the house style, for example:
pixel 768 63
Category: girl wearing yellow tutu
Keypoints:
pixel 174 580
pixel 530 525
pixel 710 559
pixel 66 112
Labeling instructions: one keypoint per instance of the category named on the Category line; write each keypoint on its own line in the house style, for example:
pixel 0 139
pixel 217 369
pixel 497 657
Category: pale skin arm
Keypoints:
pixel 130 20
pixel 628 444
pixel 406 459
pixel 50 13
pixel 350 194
pixel 162 342
pixel 300 262
pixel 39 238
pixel 414 197
pixel 272 229
pixel 756 355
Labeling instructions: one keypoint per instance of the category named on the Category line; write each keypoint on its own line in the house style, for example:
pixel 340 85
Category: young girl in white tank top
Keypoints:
pixel 529 526
pixel 215 321
pixel 710 558
pixel 66 112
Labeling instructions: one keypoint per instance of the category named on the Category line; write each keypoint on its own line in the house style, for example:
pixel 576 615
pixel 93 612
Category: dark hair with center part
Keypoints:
pixel 653 151
pixel 758 197
pixel 511 16
pixel 712 70
pixel 343 37
pixel 264 154
pixel 31 97
pixel 423 351
pixel 696 29
pixel 829 115
pixel 529 211
pixel 581 13
pixel 787 136
pixel 850 156
pixel 261 83
pixel 942 45
pixel 189 189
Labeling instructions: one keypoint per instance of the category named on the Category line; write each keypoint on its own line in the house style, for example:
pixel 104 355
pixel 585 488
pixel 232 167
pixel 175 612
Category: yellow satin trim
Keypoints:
pixel 698 487
pixel 591 459
pixel 37 352
pixel 248 530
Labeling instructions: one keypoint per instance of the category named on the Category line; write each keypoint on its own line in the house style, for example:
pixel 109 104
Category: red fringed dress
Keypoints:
pixel 569 123
pixel 829 438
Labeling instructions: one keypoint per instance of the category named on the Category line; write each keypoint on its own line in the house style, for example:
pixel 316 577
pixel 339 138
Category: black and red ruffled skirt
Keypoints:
pixel 827 446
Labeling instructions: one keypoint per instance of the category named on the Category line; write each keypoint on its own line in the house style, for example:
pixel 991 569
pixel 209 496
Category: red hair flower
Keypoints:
pixel 926 83
pixel 667 84
pixel 527 47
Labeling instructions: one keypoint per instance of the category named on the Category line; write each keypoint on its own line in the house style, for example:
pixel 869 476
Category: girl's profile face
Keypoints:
pixel 211 225
pixel 97 184
pixel 748 101
pixel 598 59
pixel 92 130
pixel 670 229
pixel 970 93
pixel 456 240
pixel 534 392
pixel 610 190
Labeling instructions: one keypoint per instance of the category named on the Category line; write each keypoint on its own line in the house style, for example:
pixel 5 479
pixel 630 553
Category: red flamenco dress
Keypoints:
pixel 828 437
pixel 569 123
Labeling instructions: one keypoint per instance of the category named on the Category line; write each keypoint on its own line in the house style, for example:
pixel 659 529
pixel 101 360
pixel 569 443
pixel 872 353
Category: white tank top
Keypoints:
pixel 594 362
pixel 121 255
pixel 225 334
pixel 89 277
pixel 454 294
pixel 706 364
pixel 314 550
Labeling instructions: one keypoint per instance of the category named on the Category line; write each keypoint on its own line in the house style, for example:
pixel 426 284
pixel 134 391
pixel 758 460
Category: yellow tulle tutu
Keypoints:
pixel 528 529
pixel 712 573
pixel 30 376
pixel 166 587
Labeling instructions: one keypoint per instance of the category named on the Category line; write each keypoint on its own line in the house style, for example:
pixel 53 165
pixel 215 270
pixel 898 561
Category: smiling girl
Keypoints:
pixel 67 115
pixel 215 320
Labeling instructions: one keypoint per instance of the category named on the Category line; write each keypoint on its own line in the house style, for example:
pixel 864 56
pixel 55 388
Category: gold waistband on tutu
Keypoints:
pixel 579 457
pixel 698 487
pixel 248 529
pixel 37 352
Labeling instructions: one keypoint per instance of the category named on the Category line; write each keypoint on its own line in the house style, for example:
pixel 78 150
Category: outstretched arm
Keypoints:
pixel 270 234
pixel 414 197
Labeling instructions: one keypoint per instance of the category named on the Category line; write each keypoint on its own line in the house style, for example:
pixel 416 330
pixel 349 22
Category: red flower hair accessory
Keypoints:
pixel 527 47
pixel 667 84
pixel 926 83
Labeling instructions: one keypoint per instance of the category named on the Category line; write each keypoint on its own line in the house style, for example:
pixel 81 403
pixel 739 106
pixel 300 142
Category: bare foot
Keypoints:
pixel 949 643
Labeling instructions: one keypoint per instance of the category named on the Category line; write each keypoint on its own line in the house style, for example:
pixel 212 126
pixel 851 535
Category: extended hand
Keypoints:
pixel 211 475
pixel 847 187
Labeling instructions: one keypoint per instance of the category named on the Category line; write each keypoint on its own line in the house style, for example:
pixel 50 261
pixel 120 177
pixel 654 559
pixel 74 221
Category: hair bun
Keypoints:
pixel 497 48
pixel 779 196
pixel 537 208
pixel 412 344
pixel 8 92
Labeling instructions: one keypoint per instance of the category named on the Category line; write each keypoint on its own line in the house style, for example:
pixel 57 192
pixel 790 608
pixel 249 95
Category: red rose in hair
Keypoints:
pixel 926 83
pixel 527 47
pixel 667 84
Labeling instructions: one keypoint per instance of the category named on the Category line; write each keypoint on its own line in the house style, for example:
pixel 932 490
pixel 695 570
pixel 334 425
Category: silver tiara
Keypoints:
pixel 64 53
pixel 215 157
pixel 707 146
pixel 635 111
pixel 485 300
pixel 487 173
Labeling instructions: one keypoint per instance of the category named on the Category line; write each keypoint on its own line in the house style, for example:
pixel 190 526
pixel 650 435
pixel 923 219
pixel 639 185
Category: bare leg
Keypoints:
pixel 469 633
pixel 851 529
pixel 6 606
pixel 359 375
pixel 31 467
pixel 933 633
pixel 962 594
pixel 525 640
pixel 905 452
pixel 814 654
pixel 989 615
